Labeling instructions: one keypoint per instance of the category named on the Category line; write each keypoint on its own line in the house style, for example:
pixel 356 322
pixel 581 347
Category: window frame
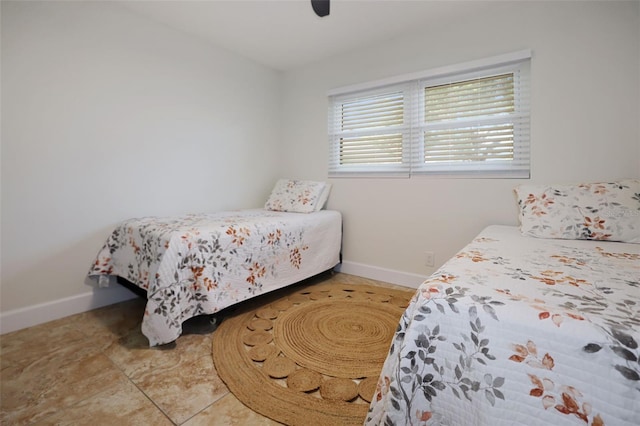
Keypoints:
pixel 363 170
pixel 413 86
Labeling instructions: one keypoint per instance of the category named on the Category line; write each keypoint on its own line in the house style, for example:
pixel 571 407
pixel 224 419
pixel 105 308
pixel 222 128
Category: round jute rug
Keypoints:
pixel 310 355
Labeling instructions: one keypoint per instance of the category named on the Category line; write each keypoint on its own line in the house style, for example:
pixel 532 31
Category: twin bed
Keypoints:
pixel 537 325
pixel 202 263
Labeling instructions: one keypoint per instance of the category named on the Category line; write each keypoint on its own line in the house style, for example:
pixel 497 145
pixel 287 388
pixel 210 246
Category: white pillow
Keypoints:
pixel 324 196
pixel 299 196
pixel 588 211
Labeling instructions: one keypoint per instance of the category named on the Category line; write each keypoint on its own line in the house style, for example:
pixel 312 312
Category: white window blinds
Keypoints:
pixel 462 123
pixel 370 133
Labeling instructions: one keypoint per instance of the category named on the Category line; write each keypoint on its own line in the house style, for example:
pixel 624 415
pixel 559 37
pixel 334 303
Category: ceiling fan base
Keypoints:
pixel 320 7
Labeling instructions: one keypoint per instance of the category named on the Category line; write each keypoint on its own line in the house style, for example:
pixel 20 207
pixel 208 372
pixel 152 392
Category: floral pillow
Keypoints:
pixel 589 211
pixel 298 196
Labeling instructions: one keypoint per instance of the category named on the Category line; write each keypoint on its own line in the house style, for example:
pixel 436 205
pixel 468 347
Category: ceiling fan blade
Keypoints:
pixel 320 7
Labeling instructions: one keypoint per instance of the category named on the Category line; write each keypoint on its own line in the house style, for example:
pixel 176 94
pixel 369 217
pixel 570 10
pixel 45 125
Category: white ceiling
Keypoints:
pixel 285 34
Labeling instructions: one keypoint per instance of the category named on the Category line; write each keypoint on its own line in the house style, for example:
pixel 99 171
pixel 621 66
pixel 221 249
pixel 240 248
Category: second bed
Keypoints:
pixel 202 263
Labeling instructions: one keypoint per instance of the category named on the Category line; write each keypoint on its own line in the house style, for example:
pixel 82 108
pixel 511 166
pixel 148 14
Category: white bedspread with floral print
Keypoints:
pixel 201 263
pixel 517 330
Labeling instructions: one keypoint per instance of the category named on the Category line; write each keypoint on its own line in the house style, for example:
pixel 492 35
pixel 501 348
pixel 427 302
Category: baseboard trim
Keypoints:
pixel 392 276
pixel 29 316
pixel 18 319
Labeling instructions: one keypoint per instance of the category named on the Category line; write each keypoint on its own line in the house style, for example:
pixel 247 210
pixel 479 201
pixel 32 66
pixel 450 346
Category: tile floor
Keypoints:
pixel 97 368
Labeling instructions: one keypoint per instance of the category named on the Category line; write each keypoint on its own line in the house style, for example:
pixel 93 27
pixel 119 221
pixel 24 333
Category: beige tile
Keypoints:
pixel 6 363
pixel 121 404
pixel 53 382
pixel 135 358
pixel 23 347
pixel 185 389
pixel 229 411
pixel 110 323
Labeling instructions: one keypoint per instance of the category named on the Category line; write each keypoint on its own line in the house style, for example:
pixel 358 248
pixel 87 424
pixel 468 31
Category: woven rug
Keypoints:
pixel 310 355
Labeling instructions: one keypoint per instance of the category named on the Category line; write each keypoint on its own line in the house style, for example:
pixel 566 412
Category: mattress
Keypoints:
pixel 517 330
pixel 201 263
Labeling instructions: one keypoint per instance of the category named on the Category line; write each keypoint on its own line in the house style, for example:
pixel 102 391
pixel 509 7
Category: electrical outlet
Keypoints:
pixel 429 258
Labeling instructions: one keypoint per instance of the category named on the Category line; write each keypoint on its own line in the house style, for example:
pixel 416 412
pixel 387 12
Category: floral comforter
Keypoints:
pixel 200 264
pixel 519 330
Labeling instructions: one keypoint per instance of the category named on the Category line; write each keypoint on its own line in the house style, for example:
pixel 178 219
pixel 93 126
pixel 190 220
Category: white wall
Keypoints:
pixel 585 113
pixel 106 116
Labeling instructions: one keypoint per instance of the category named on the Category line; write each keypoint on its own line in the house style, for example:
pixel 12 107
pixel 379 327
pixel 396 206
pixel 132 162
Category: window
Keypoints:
pixel 471 120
